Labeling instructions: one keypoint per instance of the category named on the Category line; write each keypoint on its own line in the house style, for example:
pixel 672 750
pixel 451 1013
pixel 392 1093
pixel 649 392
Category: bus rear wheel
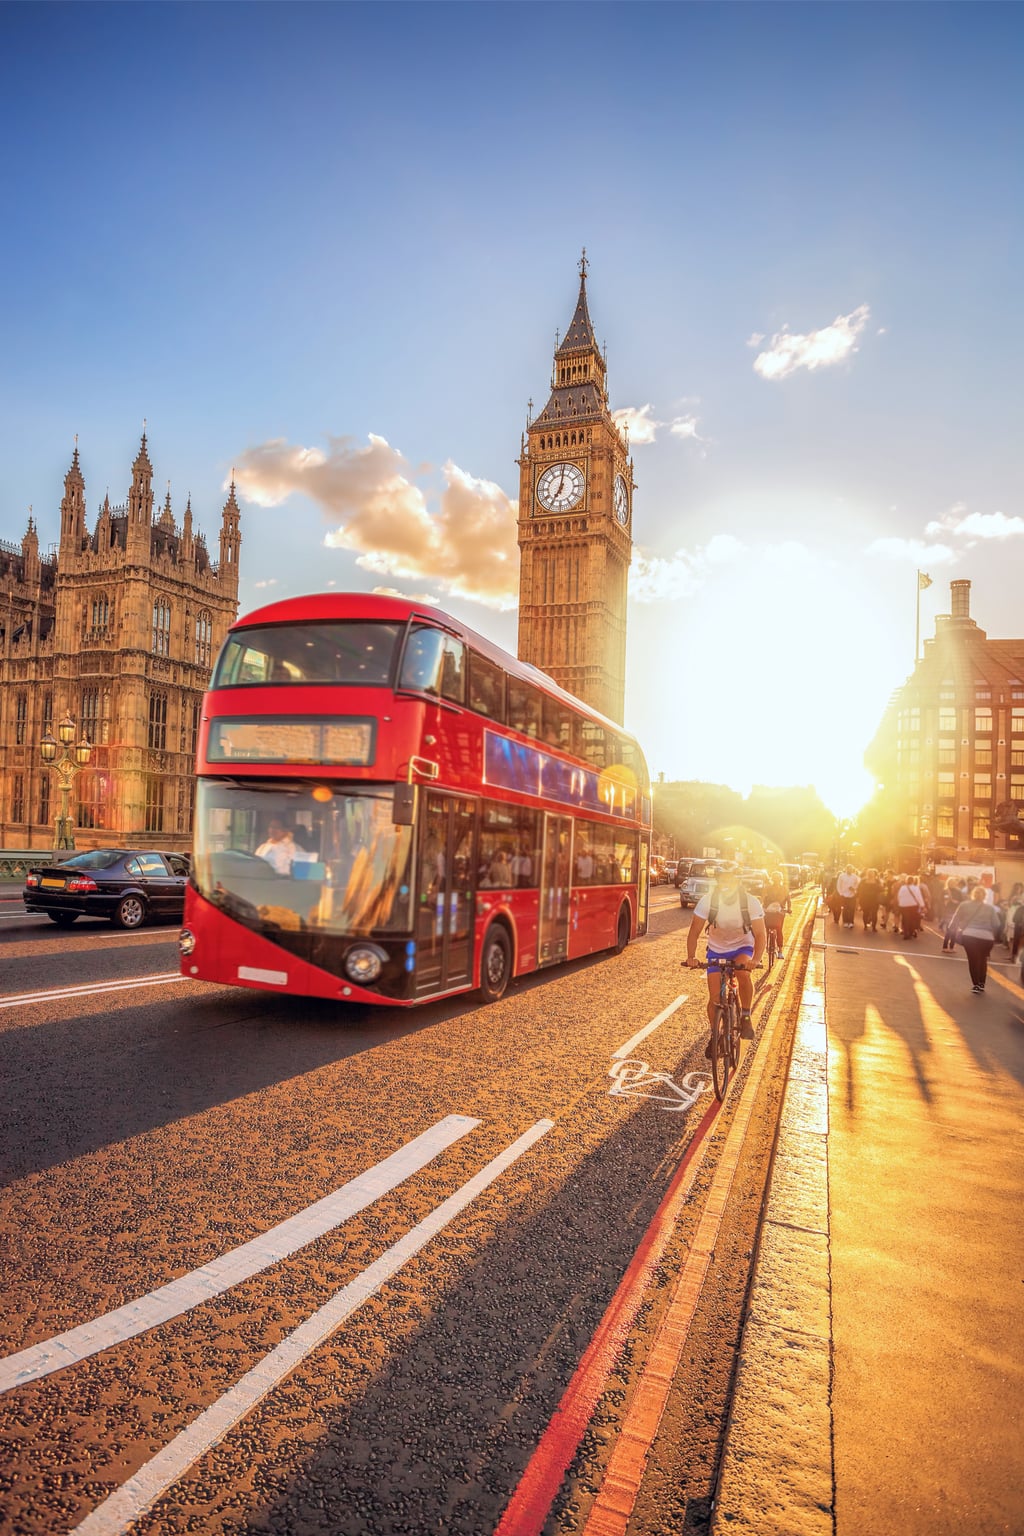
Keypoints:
pixel 495 963
pixel 622 934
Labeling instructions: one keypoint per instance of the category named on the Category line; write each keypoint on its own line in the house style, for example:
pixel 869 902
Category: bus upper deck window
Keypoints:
pixel 453 673
pixel 421 664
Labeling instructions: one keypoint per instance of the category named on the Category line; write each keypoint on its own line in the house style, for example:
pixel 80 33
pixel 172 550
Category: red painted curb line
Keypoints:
pixel 529 1505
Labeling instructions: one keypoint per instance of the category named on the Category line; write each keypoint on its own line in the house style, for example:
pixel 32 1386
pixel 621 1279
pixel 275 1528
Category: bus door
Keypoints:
pixel 444 893
pixel 643 890
pixel 553 927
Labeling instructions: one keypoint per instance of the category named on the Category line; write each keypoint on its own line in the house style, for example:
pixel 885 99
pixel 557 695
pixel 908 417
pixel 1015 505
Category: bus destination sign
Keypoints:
pixel 321 741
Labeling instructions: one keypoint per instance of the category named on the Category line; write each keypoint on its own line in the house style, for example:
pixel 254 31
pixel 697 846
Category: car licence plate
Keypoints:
pixel 51 883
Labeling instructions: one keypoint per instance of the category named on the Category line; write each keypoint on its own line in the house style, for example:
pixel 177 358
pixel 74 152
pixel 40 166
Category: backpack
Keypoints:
pixel 744 909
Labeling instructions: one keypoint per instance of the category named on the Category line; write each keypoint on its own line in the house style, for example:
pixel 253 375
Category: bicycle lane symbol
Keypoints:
pixel 635 1077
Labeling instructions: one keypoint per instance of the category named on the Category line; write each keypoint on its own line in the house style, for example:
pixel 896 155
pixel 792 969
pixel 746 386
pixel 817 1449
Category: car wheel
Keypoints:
pixel 495 963
pixel 63 919
pixel 130 912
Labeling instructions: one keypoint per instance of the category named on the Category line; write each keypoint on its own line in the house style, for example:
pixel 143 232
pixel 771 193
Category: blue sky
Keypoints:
pixel 331 245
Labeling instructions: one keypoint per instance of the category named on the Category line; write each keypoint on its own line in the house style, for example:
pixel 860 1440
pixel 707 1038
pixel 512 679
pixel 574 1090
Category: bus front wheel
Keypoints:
pixel 495 963
pixel 622 936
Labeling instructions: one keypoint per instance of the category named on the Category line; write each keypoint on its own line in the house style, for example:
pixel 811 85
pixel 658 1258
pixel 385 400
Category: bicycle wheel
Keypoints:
pixel 734 1032
pixel 720 1051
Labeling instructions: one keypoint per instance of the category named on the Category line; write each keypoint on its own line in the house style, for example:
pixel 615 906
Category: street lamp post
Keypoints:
pixel 65 766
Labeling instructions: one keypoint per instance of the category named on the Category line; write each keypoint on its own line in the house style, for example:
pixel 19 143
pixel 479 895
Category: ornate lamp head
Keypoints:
pixel 48 748
pixel 83 752
pixel 66 731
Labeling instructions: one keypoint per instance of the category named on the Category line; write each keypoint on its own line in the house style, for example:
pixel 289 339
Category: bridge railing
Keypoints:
pixel 16 862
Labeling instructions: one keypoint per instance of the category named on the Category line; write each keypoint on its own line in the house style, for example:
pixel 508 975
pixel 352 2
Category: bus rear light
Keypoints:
pixel 364 963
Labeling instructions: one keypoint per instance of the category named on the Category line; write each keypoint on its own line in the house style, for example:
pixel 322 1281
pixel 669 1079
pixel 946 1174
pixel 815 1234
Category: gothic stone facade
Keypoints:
pixel 950 748
pixel 119 628
pixel 575 518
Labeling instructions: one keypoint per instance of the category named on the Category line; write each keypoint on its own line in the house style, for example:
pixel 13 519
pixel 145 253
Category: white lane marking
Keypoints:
pixel 92 989
pixel 120 1511
pixel 641 1034
pixel 236 1265
pixel 636 1077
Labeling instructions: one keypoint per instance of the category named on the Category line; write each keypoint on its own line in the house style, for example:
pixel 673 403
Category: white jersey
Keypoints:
pixel 727 932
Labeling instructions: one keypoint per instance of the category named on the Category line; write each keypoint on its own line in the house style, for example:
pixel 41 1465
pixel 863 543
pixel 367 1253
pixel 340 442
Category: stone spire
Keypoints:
pixel 230 538
pixel 72 510
pixel 140 499
pixel 188 544
pixel 579 384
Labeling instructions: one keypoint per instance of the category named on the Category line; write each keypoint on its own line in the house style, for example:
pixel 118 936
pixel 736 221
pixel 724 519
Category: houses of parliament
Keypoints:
pixel 118 627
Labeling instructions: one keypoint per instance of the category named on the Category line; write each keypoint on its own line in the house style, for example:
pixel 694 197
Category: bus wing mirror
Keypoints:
pixel 405 805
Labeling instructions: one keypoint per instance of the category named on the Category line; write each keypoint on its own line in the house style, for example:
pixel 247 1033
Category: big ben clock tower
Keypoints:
pixel 575 519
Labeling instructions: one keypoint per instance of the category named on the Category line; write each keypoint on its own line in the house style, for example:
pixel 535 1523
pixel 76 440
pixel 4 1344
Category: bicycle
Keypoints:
pixel 725 1026
pixel 771 952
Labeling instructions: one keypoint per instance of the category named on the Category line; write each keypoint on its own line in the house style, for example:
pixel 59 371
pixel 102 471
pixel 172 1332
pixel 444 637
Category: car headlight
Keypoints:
pixel 186 942
pixel 364 963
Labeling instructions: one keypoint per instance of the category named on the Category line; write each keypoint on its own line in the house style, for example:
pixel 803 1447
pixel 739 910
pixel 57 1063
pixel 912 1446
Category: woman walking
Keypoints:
pixel 869 894
pixel 976 925
pixel 954 893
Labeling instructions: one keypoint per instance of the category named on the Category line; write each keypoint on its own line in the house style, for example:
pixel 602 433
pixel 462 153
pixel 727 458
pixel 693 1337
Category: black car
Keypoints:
pixel 127 885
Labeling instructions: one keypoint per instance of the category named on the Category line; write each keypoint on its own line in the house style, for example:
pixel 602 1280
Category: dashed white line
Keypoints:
pixel 91 989
pixel 238 1264
pixel 641 1034
pixel 120 1511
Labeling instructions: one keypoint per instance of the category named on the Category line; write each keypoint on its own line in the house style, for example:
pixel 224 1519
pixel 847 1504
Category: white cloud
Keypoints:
pixel 977 525
pixel 465 539
pixel 639 422
pixel 653 579
pixel 270 582
pixel 756 339
pixel 915 551
pixel 818 349
pixel 685 426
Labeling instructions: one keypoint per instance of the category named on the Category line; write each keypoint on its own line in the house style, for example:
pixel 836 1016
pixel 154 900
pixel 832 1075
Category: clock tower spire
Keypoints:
pixel 575 516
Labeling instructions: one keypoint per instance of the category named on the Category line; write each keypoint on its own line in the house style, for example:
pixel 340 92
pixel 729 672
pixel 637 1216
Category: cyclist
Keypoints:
pixel 776 904
pixel 735 924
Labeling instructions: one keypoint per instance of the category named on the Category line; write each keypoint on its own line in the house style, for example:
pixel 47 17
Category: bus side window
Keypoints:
pixel 486 687
pixel 453 672
pixel 557 724
pixel 421 664
pixel 524 708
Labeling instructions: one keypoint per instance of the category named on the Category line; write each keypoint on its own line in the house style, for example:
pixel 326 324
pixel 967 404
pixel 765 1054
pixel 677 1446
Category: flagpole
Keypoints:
pixel 917 624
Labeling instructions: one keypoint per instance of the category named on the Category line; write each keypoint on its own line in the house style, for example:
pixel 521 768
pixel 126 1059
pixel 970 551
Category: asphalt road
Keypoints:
pixel 434 1211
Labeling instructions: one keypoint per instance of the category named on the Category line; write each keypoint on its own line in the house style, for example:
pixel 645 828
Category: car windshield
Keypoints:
pixel 303 864
pixel 96 858
pixel 278 655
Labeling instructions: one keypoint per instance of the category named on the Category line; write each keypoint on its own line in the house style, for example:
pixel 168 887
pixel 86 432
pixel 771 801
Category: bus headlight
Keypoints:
pixel 364 963
pixel 186 942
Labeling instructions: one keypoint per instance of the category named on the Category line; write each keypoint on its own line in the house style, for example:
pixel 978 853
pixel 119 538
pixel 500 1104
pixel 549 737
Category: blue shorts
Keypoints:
pixel 727 954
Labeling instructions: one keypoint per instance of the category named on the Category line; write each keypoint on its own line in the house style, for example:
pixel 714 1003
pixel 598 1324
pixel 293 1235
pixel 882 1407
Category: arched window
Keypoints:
pixel 204 639
pixel 157 738
pixel 99 617
pixel 161 627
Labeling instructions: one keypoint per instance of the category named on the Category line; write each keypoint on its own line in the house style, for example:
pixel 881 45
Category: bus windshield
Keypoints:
pixel 347 651
pixel 302 863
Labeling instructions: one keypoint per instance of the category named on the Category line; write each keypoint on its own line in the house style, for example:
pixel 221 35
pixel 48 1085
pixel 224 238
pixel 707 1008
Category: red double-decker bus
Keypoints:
pixel 389 809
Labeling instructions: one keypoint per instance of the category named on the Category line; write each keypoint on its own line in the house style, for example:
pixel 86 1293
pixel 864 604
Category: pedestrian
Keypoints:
pixel 869 894
pixel 885 904
pixel 847 882
pixel 976 926
pixel 1013 918
pixel 910 899
pixel 954 892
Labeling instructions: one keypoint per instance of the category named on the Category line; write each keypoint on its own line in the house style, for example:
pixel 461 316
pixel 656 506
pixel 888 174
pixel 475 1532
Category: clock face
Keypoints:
pixel 620 496
pixel 560 487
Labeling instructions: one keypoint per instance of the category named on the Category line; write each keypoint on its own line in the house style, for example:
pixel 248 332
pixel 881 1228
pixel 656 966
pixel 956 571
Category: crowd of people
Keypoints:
pixel 972 914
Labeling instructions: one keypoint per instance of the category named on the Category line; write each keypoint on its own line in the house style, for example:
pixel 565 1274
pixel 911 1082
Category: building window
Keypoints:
pixel 100 612
pixel 194 713
pixel 947 721
pixel 90 798
pixel 944 824
pixel 18 798
pixel 981 829
pixel 47 713
pixel 1017 721
pixel 983 757
pixel 90 714
pixel 947 753
pixel 983 786
pixel 44 799
pixel 158 722
pixel 161 627
pixel 1016 786
pixel 155 803
pixel 20 723
pixel 983 721
pixel 204 640
pixel 1017 758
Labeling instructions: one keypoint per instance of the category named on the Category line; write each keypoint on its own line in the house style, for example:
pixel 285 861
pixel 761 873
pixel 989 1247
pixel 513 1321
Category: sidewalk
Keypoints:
pixel 881 1383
